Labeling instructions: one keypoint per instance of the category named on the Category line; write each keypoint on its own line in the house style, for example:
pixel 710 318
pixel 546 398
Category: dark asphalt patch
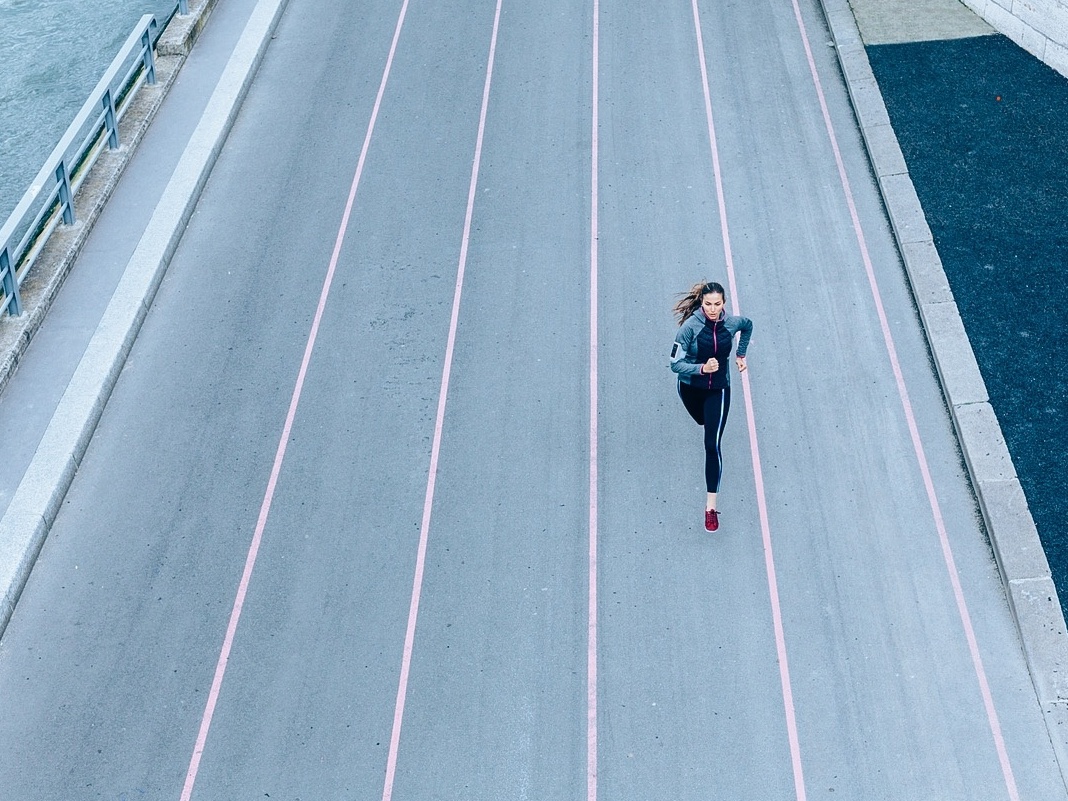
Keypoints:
pixel 983 126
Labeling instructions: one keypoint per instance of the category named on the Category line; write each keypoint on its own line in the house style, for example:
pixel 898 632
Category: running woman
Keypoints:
pixel 701 358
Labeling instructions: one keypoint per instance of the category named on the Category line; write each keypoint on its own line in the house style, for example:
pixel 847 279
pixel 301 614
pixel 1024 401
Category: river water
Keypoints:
pixel 52 53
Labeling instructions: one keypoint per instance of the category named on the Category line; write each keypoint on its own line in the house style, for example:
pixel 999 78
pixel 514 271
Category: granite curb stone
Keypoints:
pixel 1057 57
pixel 887 158
pixel 1035 600
pixel 902 204
pixel 985 451
pixel 952 353
pixel 21 537
pixel 855 64
pixel 928 279
pixel 1027 559
pixel 38 498
pixel 1013 536
pixel 868 101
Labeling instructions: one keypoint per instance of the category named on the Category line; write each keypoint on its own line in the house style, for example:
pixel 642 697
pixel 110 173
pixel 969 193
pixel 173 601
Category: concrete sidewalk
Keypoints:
pixel 894 21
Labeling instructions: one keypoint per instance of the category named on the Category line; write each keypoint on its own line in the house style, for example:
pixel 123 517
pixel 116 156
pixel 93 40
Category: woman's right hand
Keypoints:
pixel 711 366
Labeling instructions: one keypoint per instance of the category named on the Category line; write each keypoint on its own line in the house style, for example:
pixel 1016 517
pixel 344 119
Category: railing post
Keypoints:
pixel 66 196
pixel 149 57
pixel 10 282
pixel 183 6
pixel 110 125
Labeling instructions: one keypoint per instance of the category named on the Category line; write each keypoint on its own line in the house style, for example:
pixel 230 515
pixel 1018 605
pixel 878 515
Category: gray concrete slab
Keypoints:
pixel 988 458
pixel 928 279
pixel 903 207
pixel 895 21
pixel 956 365
pixel 1019 552
pixel 886 153
pixel 854 61
pixel 867 103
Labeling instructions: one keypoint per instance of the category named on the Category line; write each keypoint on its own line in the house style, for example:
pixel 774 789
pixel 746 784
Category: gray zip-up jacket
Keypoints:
pixel 699 338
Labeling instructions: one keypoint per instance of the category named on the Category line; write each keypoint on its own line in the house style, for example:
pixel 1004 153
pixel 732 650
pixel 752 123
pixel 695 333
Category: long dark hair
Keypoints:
pixel 690 301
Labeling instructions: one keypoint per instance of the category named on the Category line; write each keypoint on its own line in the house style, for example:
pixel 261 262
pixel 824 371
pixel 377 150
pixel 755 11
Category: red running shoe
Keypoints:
pixel 711 520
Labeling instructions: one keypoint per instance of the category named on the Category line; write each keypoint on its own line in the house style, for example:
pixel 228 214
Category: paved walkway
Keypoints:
pixel 895 21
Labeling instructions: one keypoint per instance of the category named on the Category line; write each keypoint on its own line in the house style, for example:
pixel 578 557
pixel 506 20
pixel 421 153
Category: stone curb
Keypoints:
pixel 42 285
pixel 1013 535
pixel 40 494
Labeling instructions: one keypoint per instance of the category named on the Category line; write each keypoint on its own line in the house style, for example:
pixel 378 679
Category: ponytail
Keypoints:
pixel 690 301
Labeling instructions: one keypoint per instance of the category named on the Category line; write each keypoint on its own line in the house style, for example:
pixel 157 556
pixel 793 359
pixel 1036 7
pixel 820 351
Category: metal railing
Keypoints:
pixel 50 198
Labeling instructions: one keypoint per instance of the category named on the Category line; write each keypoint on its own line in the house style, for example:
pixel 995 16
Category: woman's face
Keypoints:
pixel 712 305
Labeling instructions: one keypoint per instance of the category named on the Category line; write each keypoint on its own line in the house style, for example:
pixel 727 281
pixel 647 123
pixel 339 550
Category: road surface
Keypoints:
pixel 395 497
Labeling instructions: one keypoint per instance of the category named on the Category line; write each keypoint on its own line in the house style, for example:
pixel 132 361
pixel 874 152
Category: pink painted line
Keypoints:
pixel 591 627
pixel 917 443
pixel 439 423
pixel 280 452
pixel 758 473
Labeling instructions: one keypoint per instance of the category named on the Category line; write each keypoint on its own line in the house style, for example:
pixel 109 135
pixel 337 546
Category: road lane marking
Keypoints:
pixel 439 421
pixel 265 507
pixel 758 475
pixel 917 443
pixel 591 626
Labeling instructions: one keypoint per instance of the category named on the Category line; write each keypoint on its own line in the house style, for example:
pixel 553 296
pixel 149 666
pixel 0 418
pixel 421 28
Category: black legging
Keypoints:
pixel 709 407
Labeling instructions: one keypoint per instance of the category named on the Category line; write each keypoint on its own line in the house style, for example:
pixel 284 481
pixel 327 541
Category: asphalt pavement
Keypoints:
pixel 371 513
pixel 979 121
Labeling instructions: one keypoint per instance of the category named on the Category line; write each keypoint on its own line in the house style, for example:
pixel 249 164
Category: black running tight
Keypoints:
pixel 709 407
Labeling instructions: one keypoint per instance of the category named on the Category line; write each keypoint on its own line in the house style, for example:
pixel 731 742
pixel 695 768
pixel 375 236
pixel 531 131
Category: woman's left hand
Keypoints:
pixel 741 364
